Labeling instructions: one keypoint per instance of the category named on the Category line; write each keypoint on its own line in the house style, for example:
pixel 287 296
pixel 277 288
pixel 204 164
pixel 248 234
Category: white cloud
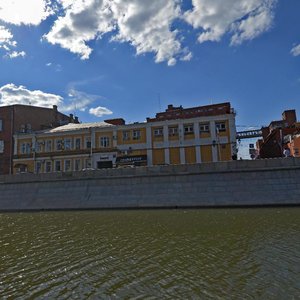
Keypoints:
pixel 29 12
pixel 12 94
pixel 149 26
pixel 100 111
pixel 245 19
pixel 296 50
pixel 15 54
pixel 144 24
pixel 77 100
pixel 7 44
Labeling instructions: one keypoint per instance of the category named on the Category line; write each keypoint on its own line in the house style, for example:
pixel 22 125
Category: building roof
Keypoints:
pixel 73 127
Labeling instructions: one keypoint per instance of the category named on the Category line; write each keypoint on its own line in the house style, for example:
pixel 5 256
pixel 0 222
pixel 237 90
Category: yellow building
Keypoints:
pixel 176 136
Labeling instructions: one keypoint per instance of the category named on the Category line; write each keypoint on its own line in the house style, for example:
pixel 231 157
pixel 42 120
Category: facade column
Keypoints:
pixel 15 145
pixel 232 134
pixel 166 144
pixel 197 142
pixel 181 143
pixel 93 145
pixel 115 139
pixel 149 145
pixel 214 147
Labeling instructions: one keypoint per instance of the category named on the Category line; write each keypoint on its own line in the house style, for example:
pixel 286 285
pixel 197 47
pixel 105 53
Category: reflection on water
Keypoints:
pixel 207 254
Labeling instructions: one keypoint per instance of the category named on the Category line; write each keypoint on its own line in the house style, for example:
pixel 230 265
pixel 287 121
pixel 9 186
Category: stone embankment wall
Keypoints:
pixel 235 183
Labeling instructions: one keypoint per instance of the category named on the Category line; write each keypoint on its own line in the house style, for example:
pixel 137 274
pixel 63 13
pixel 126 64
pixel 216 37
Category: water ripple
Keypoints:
pixel 175 254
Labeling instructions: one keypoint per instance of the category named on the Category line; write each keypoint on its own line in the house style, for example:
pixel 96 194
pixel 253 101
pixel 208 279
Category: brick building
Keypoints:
pixel 275 135
pixel 24 118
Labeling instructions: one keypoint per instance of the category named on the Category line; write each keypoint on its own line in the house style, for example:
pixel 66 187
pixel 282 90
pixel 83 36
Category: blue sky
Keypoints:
pixel 131 58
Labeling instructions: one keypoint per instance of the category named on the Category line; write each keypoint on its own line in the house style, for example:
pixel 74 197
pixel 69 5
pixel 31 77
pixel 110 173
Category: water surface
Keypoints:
pixel 151 254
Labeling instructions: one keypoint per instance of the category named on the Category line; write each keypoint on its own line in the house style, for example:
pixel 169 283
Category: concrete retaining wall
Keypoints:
pixel 236 183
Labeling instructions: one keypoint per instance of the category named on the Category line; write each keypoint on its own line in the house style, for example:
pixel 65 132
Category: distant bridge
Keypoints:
pixel 248 134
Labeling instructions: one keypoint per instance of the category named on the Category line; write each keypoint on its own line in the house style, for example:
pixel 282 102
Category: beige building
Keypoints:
pixel 176 136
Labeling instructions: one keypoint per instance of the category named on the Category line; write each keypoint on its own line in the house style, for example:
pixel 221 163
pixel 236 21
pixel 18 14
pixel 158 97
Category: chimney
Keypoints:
pixel 71 119
pixel 76 120
pixel 55 114
pixel 170 107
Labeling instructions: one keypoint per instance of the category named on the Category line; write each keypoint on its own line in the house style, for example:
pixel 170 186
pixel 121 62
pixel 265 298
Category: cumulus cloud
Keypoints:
pixel 15 54
pixel 20 12
pixel 296 50
pixel 146 25
pixel 29 12
pixel 12 94
pixel 244 19
pixel 100 111
pixel 6 41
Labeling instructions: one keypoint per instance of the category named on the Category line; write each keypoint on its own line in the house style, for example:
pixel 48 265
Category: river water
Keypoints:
pixel 151 254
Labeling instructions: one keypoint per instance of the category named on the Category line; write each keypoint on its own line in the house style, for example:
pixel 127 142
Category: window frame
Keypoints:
pixel 206 128
pixel 126 135
pixel 136 134
pixel 104 142
pixel 173 130
pixel 220 127
pixel 55 166
pixel 70 165
pixel 189 127
pixel 158 132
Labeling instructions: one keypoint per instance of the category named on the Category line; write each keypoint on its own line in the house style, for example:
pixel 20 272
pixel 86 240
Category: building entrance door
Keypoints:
pixel 104 164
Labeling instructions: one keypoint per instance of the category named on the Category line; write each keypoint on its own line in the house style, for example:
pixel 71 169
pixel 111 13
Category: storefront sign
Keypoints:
pixel 131 159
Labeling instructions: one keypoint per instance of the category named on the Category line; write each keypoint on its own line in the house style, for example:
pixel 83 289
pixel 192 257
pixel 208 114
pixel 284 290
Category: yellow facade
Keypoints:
pixel 102 145
pixel 174 156
pixel 158 157
pixel 206 153
pixel 190 155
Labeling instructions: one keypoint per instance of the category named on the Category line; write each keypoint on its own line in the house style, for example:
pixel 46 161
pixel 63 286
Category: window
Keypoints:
pixel 38 146
pixel 136 134
pixel 38 167
pixel 126 135
pixel 88 163
pixel 48 166
pixel 104 141
pixel 88 142
pixel 188 129
pixel 57 166
pixel 68 165
pixel 25 148
pixel 67 144
pixel 220 126
pixel 204 127
pixel 59 145
pixel 48 146
pixel 77 164
pixel 77 143
pixel 173 130
pixel 1 146
pixel 1 125
pixel 158 131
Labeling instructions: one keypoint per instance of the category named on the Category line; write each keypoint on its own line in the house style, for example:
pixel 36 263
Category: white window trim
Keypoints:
pixel 65 169
pixel 55 165
pixel 104 142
